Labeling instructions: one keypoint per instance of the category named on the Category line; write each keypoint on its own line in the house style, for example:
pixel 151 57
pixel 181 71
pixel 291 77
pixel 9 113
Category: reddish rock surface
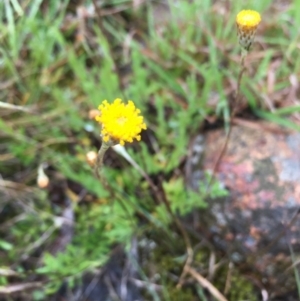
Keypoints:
pixel 262 169
pixel 258 223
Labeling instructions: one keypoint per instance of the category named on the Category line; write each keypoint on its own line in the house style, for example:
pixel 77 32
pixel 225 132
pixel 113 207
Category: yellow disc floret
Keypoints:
pixel 120 122
pixel 248 19
pixel 247 22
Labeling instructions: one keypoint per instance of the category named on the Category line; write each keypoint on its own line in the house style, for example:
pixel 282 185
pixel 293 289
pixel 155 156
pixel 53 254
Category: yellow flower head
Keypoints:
pixel 247 22
pixel 120 122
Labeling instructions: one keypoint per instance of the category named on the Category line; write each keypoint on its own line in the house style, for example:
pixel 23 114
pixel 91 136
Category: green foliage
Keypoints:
pixel 6 246
pixel 180 75
pixel 69 265
pixel 96 230
pixel 183 201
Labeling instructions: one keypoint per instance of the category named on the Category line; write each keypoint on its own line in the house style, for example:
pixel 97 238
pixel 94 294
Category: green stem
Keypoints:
pixel 238 90
pixel 99 162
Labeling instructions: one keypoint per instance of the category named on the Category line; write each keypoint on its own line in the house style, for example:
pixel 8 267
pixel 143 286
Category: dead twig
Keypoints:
pixel 15 288
pixel 206 284
pixel 6 105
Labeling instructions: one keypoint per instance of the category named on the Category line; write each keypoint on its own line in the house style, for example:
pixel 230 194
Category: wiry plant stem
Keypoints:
pixel 233 111
pixel 99 162
pixel 238 90
pixel 188 245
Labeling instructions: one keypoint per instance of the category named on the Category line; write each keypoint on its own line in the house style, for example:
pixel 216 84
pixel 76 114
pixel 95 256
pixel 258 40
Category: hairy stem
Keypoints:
pixel 233 112
pixel 99 162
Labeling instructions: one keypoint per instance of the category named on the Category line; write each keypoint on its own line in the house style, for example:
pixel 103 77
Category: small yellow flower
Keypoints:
pixel 247 22
pixel 120 122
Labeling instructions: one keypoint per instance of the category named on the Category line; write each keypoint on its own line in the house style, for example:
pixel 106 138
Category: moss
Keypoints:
pixel 176 294
pixel 241 288
pixel 166 264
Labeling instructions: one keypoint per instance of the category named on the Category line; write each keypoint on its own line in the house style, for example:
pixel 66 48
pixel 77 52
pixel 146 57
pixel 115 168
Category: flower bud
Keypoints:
pixel 247 22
